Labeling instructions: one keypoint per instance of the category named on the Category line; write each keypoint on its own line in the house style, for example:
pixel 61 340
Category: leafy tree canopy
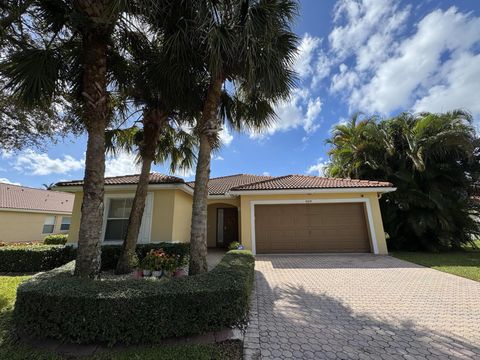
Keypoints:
pixel 434 162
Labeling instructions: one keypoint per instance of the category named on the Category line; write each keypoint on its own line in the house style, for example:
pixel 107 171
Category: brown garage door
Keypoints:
pixel 291 228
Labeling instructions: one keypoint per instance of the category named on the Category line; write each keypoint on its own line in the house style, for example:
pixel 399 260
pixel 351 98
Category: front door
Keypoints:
pixel 227 226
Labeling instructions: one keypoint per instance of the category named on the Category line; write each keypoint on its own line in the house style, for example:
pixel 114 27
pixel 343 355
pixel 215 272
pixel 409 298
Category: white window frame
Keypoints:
pixel 366 201
pixel 145 232
pixel 45 224
pixel 69 223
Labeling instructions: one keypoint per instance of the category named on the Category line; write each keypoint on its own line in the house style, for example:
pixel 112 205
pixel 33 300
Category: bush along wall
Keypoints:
pixel 57 305
pixel 34 258
pixel 56 239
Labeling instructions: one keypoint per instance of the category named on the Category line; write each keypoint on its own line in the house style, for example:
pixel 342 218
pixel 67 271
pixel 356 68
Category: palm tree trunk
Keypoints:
pixel 153 122
pixel 209 126
pixel 96 117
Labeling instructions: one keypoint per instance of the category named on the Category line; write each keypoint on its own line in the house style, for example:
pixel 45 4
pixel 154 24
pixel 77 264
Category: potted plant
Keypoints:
pixel 235 245
pixel 182 261
pixel 158 271
pixel 169 264
pixel 134 263
pixel 148 264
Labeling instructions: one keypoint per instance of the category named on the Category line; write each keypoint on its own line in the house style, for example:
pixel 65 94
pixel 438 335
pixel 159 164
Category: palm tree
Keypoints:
pixel 67 57
pixel 48 186
pixel 166 90
pixel 433 161
pixel 174 146
pixel 351 145
pixel 249 45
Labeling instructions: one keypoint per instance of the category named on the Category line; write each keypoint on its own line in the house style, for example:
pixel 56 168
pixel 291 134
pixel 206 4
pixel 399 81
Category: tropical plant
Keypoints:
pixel 174 146
pixel 48 186
pixel 162 85
pixel 60 50
pixel 434 162
pixel 247 49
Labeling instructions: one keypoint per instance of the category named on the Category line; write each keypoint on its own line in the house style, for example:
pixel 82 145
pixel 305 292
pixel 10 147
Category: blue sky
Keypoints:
pixel 376 56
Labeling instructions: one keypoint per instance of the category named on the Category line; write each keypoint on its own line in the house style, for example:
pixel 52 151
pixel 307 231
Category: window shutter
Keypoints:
pixel 145 229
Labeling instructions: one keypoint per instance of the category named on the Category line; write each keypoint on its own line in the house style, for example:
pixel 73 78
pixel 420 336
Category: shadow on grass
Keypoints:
pixel 292 318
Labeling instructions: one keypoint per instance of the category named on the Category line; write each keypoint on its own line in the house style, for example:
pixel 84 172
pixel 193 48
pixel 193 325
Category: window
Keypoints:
pixel 48 225
pixel 65 223
pixel 117 218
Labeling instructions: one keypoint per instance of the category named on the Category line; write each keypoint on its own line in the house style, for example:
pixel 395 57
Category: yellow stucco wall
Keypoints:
pixel 246 229
pixel 162 214
pixel 172 211
pixel 26 226
pixel 182 217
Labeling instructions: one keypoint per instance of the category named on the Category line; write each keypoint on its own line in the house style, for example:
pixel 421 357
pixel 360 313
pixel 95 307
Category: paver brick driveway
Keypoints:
pixel 360 307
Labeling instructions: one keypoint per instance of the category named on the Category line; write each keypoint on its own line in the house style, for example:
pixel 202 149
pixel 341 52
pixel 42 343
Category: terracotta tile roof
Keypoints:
pixel 24 198
pixel 291 182
pixel 220 185
pixel 155 178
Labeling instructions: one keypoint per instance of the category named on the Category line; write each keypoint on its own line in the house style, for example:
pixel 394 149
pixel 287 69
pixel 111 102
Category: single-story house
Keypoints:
pixel 267 214
pixel 28 214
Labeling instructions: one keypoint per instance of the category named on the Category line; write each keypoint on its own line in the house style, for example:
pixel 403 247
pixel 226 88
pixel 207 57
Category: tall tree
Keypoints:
pixel 433 160
pixel 164 87
pixel 248 48
pixel 62 49
pixel 174 146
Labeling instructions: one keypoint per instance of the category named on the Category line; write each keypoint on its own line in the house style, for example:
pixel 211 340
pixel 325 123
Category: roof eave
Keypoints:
pixel 78 188
pixel 315 191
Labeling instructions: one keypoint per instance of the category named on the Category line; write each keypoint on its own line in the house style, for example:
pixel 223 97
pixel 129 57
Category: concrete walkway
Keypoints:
pixel 360 307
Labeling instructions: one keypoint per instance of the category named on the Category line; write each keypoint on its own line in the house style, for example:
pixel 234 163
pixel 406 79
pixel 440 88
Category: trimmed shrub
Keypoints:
pixel 56 239
pixel 57 305
pixel 28 257
pixel 34 258
pixel 111 253
pixel 21 243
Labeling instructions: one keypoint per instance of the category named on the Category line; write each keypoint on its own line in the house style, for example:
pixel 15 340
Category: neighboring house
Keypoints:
pixel 28 214
pixel 284 214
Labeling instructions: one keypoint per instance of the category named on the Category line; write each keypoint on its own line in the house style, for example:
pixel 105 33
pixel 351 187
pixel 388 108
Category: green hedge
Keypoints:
pixel 34 258
pixel 57 305
pixel 55 239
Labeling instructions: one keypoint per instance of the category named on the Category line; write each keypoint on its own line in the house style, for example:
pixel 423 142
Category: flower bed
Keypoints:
pixel 57 305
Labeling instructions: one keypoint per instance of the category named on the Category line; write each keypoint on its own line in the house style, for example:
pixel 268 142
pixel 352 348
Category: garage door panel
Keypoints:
pixel 311 228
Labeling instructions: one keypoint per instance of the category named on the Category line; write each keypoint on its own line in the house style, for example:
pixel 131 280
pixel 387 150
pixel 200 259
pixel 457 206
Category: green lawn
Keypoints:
pixel 462 263
pixel 12 350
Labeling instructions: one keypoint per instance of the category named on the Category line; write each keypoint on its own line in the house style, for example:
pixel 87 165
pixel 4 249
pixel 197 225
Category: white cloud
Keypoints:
pixel 365 22
pixel 435 67
pixel 301 110
pixel 218 158
pixel 314 108
pixel 266 173
pixel 121 164
pixel 417 66
pixel 322 68
pixel 33 163
pixel 460 90
pixel 6 181
pixel 318 168
pixel 344 80
pixel 306 51
pixel 225 136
